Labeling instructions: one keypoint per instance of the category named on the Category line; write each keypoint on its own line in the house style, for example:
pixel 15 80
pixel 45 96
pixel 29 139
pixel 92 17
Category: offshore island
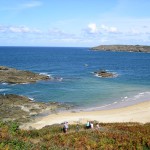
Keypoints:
pixel 123 48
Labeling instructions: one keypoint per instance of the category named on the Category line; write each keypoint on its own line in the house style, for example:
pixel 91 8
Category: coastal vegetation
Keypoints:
pixel 125 48
pixel 109 136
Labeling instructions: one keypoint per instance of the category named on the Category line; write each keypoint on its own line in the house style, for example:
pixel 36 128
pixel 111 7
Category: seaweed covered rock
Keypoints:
pixel 14 76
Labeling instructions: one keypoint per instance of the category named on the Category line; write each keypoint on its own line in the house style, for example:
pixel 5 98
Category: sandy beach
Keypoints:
pixel 136 113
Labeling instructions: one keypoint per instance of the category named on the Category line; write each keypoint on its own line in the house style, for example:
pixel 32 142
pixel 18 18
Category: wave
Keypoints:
pixel 3 90
pixel 32 99
pixel 50 76
pixel 123 102
pixel 46 74
pixel 25 83
pixel 4 83
pixel 59 79
pixel 115 75
pixel 139 96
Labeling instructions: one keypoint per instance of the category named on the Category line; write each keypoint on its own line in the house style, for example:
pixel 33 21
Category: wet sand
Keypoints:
pixel 135 113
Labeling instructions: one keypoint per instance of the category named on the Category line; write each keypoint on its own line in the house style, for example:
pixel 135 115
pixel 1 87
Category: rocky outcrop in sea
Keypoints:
pixel 104 74
pixel 14 76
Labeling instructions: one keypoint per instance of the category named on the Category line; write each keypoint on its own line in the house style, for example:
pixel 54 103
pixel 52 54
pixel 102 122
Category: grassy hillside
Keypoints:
pixel 110 136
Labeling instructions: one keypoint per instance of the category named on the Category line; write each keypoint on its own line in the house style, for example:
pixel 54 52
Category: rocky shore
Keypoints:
pixel 14 76
pixel 126 48
pixel 22 109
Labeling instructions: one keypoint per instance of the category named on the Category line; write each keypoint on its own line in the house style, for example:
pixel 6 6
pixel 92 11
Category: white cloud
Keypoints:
pixel 109 29
pixel 134 32
pixel 92 28
pixel 22 6
pixel 31 4
pixel 126 34
pixel 56 32
pixel 92 35
pixel 18 29
pixel 59 34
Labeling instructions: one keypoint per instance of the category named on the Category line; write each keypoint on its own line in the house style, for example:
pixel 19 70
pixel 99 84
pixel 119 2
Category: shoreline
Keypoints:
pixel 135 113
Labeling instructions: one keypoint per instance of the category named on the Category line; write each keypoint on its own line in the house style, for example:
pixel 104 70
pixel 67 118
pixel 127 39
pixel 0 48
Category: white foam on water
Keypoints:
pixel 4 83
pixel 123 102
pixel 32 99
pixel 138 98
pixel 46 74
pixel 115 75
pixel 50 76
pixel 25 83
pixel 2 90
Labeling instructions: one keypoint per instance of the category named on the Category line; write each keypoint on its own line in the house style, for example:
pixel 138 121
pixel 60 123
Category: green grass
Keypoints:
pixel 121 136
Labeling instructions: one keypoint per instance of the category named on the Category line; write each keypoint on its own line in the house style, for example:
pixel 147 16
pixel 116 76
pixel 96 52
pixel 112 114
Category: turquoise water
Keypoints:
pixel 73 79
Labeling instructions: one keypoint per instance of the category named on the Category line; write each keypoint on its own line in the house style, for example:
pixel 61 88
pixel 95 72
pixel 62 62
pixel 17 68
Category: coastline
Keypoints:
pixel 123 48
pixel 136 113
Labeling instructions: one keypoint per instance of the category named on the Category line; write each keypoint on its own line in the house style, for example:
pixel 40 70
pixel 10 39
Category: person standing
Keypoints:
pixel 77 128
pixel 92 126
pixel 65 127
pixel 97 126
pixel 88 125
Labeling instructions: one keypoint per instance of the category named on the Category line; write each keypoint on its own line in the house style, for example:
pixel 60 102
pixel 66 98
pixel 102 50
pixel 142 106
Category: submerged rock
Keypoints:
pixel 14 76
pixel 104 74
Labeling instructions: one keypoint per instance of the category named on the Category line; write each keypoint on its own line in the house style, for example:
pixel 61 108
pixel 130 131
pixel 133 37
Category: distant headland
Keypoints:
pixel 125 48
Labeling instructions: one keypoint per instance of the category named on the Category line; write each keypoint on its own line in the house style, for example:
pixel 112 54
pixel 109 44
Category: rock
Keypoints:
pixel 22 109
pixel 104 74
pixel 127 48
pixel 13 76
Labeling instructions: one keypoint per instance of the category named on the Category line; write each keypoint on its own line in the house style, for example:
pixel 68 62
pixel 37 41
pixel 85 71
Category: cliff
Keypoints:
pixel 126 48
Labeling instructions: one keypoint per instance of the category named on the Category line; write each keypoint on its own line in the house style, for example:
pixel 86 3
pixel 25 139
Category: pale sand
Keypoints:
pixel 136 113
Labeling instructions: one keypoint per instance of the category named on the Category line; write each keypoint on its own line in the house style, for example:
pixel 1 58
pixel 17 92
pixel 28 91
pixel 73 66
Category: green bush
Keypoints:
pixel 13 127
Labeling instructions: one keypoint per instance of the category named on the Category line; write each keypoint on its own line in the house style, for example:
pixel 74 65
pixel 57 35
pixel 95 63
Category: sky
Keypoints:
pixel 74 23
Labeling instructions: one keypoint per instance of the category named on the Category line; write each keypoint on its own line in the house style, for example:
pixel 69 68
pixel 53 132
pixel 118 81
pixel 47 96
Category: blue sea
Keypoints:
pixel 73 81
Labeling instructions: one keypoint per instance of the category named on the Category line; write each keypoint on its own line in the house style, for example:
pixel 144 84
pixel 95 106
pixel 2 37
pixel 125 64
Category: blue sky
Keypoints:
pixel 82 23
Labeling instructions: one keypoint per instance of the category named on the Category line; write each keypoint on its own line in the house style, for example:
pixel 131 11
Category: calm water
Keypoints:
pixel 74 81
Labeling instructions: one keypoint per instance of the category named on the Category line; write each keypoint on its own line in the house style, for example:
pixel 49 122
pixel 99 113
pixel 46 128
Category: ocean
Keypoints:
pixel 73 81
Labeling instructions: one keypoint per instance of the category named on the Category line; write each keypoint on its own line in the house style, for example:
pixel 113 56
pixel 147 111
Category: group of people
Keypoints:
pixel 66 126
pixel 90 125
